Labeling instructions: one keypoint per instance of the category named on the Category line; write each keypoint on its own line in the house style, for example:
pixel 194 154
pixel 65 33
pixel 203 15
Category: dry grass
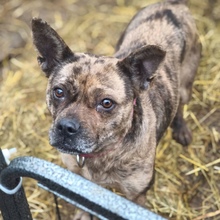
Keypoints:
pixel 187 182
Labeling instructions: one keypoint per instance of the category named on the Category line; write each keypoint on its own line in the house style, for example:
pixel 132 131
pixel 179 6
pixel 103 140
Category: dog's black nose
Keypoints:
pixel 68 126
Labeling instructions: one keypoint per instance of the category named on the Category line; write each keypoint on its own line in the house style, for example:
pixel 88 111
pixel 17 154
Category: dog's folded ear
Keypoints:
pixel 51 47
pixel 141 66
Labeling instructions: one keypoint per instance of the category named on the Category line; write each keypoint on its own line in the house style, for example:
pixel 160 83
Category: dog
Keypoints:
pixel 109 113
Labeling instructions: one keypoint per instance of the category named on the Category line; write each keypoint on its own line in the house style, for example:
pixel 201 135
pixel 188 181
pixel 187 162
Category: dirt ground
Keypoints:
pixel 187 181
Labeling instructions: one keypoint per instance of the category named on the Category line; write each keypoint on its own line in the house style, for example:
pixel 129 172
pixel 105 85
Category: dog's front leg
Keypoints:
pixel 136 185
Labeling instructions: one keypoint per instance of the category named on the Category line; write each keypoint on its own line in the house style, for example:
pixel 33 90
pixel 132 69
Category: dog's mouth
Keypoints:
pixel 69 149
pixel 88 151
pixel 88 154
pixel 66 150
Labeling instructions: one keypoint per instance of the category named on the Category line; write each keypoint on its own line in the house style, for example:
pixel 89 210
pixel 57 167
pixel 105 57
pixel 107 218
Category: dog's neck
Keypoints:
pixel 82 157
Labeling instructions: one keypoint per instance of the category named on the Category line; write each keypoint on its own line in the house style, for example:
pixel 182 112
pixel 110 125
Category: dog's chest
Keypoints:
pixel 126 178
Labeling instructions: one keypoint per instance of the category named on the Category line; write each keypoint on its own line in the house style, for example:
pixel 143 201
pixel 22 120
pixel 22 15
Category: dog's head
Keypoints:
pixel 91 98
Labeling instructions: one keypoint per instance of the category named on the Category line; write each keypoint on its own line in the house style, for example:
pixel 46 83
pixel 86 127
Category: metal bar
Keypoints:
pixel 75 190
pixel 13 207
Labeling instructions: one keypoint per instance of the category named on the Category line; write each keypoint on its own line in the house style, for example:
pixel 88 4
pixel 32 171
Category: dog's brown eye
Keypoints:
pixel 105 106
pixel 58 93
pixel 107 103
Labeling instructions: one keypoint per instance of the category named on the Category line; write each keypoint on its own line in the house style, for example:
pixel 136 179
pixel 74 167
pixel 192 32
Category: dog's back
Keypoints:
pixel 169 25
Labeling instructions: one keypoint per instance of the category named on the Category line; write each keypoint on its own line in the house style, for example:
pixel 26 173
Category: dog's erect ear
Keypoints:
pixel 51 47
pixel 141 65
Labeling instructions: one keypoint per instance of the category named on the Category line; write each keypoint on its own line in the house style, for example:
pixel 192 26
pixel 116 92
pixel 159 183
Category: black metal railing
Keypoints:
pixel 69 186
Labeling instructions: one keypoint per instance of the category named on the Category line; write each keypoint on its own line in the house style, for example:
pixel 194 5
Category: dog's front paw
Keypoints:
pixel 182 135
pixel 81 215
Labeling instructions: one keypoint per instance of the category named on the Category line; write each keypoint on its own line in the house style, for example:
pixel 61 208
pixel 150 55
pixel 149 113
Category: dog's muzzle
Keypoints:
pixel 69 136
pixel 64 135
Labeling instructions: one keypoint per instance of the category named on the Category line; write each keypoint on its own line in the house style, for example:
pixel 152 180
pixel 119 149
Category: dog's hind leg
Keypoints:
pixel 181 132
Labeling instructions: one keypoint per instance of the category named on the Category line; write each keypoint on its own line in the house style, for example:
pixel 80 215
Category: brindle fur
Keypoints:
pixel 155 63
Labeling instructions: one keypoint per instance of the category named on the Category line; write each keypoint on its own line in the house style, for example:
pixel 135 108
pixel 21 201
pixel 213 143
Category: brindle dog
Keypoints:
pixel 112 111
